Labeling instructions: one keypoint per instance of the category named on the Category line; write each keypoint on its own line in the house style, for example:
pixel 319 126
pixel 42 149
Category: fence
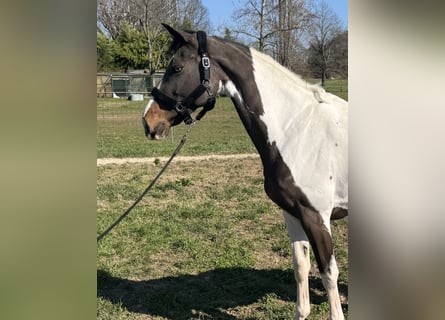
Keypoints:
pixel 125 84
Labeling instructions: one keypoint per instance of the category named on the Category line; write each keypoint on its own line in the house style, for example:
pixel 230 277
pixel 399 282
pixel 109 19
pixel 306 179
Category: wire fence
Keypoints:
pixel 121 116
pixel 124 85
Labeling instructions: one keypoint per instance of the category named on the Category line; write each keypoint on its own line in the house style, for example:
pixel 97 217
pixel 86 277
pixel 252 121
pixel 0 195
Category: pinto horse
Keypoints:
pixel 299 130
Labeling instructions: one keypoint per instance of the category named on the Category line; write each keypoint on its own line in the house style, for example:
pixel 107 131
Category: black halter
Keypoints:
pixel 187 106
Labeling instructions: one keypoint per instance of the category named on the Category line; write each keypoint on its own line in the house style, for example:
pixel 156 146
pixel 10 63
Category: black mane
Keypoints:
pixel 232 42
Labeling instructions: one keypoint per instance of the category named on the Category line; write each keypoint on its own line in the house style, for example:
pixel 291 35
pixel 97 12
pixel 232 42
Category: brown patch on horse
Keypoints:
pixel 158 121
pixel 281 188
pixel 338 213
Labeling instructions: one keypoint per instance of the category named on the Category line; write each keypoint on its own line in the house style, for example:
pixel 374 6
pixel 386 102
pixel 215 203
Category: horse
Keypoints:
pixel 299 130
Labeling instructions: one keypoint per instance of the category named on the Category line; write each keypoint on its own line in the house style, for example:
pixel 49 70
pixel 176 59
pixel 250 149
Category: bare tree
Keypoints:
pixel 144 15
pixel 111 13
pixel 251 21
pixel 191 14
pixel 276 26
pixel 150 14
pixel 326 26
pixel 293 21
pixel 147 16
pixel 339 66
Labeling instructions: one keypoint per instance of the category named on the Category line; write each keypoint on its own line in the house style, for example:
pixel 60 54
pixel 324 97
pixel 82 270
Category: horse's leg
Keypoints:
pixel 319 235
pixel 302 264
pixel 329 278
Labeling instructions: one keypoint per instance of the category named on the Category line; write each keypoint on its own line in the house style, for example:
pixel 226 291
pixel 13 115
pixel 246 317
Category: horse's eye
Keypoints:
pixel 177 69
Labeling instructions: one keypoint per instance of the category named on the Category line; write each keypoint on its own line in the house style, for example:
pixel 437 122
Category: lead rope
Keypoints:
pixel 152 183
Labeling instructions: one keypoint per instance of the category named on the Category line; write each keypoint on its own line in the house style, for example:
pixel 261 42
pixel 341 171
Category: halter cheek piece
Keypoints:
pixel 186 107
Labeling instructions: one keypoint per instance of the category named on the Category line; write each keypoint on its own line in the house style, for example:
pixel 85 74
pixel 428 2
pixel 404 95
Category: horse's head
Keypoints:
pixel 185 86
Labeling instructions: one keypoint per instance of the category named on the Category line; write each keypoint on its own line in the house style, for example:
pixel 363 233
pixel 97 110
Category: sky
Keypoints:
pixel 220 11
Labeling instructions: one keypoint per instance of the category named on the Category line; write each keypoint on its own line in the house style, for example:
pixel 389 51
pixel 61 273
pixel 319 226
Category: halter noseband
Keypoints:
pixel 187 106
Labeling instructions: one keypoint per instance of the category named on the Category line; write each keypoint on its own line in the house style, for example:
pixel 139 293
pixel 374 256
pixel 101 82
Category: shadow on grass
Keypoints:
pixel 211 292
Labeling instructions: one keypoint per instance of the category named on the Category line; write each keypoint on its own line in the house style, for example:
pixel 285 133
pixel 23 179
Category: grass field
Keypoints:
pixel 338 87
pixel 120 133
pixel 206 242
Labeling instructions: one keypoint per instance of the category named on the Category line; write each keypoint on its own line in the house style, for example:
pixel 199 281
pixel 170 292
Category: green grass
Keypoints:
pixel 120 133
pixel 207 243
pixel 338 87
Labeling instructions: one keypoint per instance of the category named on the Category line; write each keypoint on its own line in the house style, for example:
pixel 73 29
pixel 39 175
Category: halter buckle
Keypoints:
pixel 179 107
pixel 205 62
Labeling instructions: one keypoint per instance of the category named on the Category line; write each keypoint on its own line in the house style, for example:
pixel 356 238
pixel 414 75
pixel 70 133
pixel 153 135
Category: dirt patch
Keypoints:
pixel 114 117
pixel 121 161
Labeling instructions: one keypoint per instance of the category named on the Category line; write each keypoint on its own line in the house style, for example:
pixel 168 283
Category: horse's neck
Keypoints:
pixel 270 100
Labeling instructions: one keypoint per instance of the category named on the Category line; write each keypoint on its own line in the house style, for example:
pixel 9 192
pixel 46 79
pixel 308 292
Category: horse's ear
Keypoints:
pixel 178 35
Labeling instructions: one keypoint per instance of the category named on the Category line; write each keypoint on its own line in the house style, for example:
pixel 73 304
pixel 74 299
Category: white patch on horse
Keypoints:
pixel 309 128
pixel 301 260
pixel 329 280
pixel 230 88
pixel 147 107
pixel 221 88
pixel 150 102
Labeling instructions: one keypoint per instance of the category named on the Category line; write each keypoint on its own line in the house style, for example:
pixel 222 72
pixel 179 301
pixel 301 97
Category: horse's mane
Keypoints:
pixel 318 91
pixel 232 43
pixel 238 47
